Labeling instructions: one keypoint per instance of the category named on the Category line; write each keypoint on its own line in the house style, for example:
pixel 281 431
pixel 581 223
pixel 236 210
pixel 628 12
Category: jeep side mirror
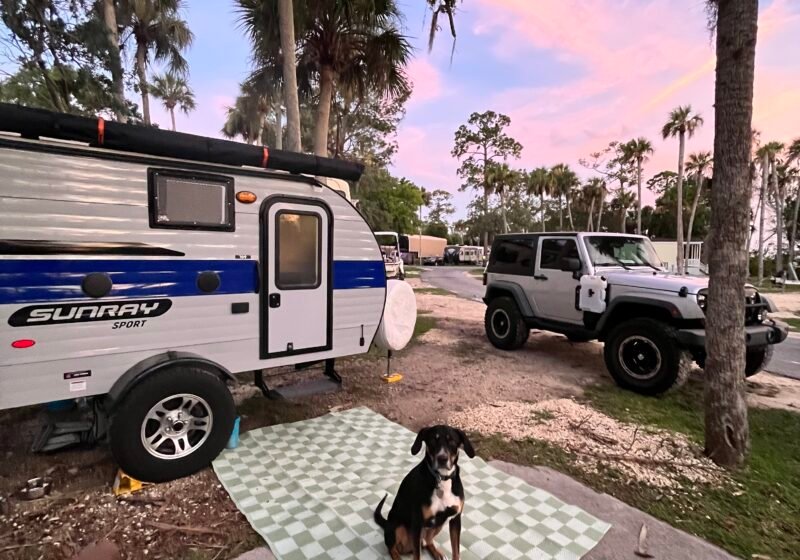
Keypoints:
pixel 570 264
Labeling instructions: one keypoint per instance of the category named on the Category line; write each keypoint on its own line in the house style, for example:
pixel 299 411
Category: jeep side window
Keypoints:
pixel 553 250
pixel 513 256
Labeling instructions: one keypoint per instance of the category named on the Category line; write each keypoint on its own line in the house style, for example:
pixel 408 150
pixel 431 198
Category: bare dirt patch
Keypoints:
pixel 656 457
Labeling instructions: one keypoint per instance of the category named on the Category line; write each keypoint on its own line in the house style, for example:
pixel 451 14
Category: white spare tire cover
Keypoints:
pixel 399 317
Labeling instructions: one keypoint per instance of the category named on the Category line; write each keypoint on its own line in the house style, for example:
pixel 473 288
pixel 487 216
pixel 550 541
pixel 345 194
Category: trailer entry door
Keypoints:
pixel 296 301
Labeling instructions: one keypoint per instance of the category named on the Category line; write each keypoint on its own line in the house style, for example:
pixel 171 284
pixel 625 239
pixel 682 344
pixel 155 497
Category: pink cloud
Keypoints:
pixel 426 79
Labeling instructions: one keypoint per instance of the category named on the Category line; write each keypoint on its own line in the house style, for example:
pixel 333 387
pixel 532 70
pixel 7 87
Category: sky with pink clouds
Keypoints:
pixel 572 75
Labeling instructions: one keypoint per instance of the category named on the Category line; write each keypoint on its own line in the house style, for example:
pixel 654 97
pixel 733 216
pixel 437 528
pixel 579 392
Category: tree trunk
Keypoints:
pixel 764 180
pixel 544 228
pixel 694 209
pixel 485 200
pixel 502 193
pixel 778 217
pixel 289 68
pixel 600 211
pixel 726 430
pixel 323 111
pixel 679 225
pixel 793 242
pixel 569 213
pixel 172 116
pixel 638 196
pixel 278 125
pixel 623 220
pixel 560 212
pixel 115 62
pixel 589 225
pixel 141 71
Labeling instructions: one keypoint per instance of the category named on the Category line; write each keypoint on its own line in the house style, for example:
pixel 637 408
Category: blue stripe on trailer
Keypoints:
pixel 31 281
pixel 348 275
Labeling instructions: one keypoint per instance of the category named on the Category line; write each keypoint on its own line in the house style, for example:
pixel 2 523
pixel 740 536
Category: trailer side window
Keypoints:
pixel 190 201
pixel 298 251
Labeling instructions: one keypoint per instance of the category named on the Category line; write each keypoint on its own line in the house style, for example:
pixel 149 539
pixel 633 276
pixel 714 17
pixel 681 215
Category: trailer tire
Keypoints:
pixel 171 424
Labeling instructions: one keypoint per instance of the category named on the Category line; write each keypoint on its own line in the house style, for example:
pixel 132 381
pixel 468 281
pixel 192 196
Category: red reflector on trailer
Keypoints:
pixel 24 343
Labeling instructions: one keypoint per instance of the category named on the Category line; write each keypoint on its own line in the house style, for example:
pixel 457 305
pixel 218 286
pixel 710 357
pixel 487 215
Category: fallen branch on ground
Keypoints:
pixel 184 528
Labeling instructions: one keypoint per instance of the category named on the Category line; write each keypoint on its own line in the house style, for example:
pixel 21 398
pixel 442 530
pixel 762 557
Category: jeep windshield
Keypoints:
pixel 613 250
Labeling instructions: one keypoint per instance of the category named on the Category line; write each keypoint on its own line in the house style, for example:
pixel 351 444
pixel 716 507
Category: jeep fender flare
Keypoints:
pixel 673 310
pixel 495 289
pixel 158 362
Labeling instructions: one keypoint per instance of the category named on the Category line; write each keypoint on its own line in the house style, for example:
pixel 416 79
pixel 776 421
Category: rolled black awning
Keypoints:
pixel 97 132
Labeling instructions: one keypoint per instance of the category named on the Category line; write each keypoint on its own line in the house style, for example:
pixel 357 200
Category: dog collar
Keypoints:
pixel 439 476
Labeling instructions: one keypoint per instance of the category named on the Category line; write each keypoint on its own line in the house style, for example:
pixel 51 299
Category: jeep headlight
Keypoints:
pixel 701 300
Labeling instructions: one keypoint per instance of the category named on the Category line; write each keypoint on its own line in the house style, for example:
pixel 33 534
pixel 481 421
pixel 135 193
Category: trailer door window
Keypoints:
pixel 298 251
pixel 188 201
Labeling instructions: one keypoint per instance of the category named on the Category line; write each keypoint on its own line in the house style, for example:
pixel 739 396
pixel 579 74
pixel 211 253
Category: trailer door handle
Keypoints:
pixel 274 300
pixel 539 277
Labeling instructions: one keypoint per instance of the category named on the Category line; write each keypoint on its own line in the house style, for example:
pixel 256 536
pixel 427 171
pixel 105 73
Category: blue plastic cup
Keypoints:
pixel 233 441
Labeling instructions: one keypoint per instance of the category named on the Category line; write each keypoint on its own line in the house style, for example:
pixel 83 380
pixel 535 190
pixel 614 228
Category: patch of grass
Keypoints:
pixel 542 416
pixel 763 520
pixel 423 312
pixel 794 324
pixel 478 272
pixel 433 291
pixel 769 288
pixel 424 324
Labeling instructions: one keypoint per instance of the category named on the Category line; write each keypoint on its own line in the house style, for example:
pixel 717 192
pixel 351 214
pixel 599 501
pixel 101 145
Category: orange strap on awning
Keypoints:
pixel 265 158
pixel 101 131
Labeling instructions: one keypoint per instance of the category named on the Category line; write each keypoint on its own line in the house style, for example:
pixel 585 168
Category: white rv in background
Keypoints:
pixel 149 279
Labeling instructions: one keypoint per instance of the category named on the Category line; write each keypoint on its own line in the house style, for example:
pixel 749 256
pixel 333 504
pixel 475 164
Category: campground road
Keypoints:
pixel 455 279
pixel 785 361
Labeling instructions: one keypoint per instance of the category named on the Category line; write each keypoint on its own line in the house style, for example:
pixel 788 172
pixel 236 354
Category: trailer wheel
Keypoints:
pixel 172 424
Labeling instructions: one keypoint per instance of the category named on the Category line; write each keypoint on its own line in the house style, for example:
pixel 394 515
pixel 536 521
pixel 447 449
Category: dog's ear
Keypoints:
pixel 466 444
pixel 418 442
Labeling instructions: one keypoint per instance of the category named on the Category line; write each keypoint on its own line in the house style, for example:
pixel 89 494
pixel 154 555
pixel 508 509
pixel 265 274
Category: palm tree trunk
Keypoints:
pixel 794 232
pixel 541 212
pixel 764 180
pixel 727 438
pixel 172 116
pixel 323 111
pixel 638 196
pixel 560 212
pixel 503 208
pixel 289 69
pixel 141 71
pixel 115 61
pixel 278 125
pixel 778 218
pixel 569 214
pixel 485 219
pixel 622 219
pixel 600 211
pixel 589 225
pixel 679 225
pixel 694 208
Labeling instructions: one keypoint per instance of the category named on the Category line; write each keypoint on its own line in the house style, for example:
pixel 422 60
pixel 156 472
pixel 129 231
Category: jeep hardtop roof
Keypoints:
pixel 532 235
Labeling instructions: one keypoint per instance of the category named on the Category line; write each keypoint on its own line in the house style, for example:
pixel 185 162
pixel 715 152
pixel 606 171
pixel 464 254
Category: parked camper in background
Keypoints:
pixel 389 243
pixel 469 254
pixel 418 248
pixel 145 266
pixel 668 253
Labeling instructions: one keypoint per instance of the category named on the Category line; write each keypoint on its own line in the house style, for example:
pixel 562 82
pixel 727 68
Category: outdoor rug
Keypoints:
pixel 310 488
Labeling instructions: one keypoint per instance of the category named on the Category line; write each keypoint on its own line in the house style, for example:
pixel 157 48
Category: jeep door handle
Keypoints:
pixel 539 277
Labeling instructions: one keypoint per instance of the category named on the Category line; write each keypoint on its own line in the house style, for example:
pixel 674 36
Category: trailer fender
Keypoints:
pixel 158 362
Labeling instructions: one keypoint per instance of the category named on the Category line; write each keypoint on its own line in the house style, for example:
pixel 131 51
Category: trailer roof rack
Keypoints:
pixel 96 132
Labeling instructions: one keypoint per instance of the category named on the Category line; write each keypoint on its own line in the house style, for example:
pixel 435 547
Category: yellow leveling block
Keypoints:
pixel 392 378
pixel 124 484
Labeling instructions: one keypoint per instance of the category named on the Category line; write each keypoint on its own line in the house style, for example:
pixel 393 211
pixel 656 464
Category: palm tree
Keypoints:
pixel 356 46
pixel 603 189
pixel 594 189
pixel 160 34
pixel 289 74
pixel 246 119
pixel 174 91
pixel 727 438
pixel 794 156
pixel 775 148
pixel 109 17
pixel 681 123
pixel 437 8
pixel 637 150
pixel 539 182
pixel 698 163
pixel 624 199
pixel 499 178
pixel 766 155
pixel 564 181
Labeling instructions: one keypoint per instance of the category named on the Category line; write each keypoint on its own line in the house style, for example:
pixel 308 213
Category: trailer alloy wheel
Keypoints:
pixel 171 424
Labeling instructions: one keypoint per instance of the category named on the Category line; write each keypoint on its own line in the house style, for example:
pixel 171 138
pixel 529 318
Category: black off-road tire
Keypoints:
pixel 504 324
pixel 757 359
pixel 401 275
pixel 125 431
pixel 670 365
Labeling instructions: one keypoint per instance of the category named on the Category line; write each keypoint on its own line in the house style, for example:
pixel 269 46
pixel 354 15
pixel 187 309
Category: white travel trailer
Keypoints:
pixel 468 254
pixel 147 266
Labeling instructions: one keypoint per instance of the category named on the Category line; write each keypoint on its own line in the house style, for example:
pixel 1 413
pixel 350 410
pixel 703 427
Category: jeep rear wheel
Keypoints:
pixel 642 355
pixel 504 324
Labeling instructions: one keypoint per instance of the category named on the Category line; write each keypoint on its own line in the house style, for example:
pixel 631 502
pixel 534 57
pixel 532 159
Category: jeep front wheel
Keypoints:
pixel 504 324
pixel 757 359
pixel 642 355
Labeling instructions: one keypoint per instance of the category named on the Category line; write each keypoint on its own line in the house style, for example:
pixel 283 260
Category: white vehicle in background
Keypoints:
pixel 469 254
pixel 389 242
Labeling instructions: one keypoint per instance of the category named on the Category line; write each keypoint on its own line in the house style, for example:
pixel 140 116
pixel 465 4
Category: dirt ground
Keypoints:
pixel 448 370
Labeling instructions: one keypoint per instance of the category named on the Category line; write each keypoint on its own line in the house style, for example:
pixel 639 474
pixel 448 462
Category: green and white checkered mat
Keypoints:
pixel 309 488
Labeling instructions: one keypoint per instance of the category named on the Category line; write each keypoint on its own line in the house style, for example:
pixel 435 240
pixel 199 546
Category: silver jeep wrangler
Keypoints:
pixel 612 288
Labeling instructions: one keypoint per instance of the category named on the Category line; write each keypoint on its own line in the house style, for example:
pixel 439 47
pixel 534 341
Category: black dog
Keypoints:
pixel 430 494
